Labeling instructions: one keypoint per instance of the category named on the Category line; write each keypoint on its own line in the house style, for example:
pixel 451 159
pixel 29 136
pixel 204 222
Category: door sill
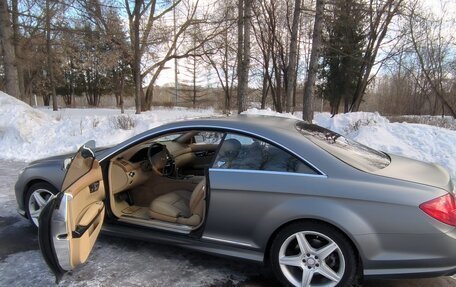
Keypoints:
pixel 158 224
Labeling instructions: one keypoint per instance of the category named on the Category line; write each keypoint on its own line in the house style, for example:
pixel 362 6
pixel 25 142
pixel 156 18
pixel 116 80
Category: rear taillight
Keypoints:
pixel 442 208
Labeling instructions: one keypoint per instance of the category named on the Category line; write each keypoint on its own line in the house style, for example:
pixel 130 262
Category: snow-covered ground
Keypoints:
pixel 27 134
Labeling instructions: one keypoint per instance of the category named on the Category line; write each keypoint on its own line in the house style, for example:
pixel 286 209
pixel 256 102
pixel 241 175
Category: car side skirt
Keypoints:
pixel 409 273
pixel 225 248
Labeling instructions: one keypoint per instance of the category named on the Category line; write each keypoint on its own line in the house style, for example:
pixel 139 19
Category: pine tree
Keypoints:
pixel 343 43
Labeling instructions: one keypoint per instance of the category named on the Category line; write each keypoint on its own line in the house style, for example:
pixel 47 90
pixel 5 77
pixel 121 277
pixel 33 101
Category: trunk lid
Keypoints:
pixel 417 171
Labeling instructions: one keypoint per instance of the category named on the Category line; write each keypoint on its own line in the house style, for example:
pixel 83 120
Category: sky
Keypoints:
pixel 438 7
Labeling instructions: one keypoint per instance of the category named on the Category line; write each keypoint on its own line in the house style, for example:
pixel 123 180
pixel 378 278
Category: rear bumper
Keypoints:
pixel 409 255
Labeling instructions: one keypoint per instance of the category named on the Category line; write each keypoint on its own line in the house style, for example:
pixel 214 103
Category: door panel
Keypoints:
pixel 246 205
pixel 203 155
pixel 85 206
pixel 71 222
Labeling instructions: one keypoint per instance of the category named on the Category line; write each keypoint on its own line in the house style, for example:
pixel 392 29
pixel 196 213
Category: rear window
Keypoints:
pixel 349 151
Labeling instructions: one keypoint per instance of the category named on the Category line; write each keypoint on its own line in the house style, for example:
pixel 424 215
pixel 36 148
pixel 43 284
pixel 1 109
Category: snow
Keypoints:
pixel 268 112
pixel 417 141
pixel 27 134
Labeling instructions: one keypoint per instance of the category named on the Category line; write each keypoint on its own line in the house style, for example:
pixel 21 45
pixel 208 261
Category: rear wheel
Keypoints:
pixel 38 195
pixel 309 254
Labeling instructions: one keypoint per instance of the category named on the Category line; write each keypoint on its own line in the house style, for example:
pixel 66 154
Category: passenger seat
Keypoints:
pixel 181 206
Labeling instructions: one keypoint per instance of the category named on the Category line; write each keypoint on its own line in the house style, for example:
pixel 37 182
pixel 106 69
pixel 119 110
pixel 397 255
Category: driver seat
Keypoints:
pixel 180 206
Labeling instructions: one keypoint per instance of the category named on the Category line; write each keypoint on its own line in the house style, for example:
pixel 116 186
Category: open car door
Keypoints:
pixel 71 222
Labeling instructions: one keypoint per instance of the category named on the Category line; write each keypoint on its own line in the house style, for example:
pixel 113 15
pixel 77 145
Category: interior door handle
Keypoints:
pixel 201 153
pixel 94 186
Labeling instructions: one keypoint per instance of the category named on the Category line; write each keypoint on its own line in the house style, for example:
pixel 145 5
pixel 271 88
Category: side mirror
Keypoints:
pixel 87 152
pixel 66 163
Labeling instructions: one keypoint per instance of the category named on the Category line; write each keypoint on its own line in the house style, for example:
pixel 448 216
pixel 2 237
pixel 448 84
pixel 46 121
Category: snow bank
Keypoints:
pixel 268 112
pixel 28 134
pixel 418 141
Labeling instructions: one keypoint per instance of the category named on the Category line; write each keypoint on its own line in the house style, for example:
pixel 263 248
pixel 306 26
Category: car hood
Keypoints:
pixel 56 159
pixel 417 171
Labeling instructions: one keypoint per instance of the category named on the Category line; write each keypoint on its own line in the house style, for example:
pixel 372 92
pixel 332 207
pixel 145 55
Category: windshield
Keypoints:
pixel 349 151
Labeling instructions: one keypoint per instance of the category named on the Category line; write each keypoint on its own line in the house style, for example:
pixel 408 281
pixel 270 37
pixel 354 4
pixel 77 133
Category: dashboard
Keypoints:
pixel 129 170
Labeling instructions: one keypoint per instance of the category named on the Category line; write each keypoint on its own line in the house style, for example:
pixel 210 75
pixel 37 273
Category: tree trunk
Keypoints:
pixel 121 101
pixel 307 110
pixel 194 83
pixel 9 57
pixel 292 60
pixel 245 9
pixel 137 56
pixel 17 49
pixel 265 89
pixel 240 56
pixel 49 57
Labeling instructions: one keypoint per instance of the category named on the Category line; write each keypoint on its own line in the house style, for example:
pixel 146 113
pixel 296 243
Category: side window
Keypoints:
pixel 168 137
pixel 206 137
pixel 242 152
pixel 80 165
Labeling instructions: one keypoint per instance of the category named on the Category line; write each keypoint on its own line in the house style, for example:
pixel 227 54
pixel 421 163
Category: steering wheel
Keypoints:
pixel 161 160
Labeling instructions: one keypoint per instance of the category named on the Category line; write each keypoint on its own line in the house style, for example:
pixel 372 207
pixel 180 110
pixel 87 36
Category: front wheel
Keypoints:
pixel 38 195
pixel 308 254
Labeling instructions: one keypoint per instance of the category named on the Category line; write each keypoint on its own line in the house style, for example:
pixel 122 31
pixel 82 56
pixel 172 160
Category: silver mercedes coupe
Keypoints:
pixel 315 207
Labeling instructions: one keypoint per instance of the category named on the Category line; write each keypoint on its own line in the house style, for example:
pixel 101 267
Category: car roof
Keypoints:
pixel 249 122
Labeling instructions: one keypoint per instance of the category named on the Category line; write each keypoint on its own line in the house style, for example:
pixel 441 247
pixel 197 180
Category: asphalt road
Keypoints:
pixel 123 262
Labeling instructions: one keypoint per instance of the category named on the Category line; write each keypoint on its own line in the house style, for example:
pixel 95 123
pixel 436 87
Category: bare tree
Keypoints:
pixel 146 13
pixel 307 109
pixel 220 52
pixel 50 70
pixel 431 50
pixel 293 56
pixel 243 58
pixel 381 13
pixel 9 56
pixel 178 47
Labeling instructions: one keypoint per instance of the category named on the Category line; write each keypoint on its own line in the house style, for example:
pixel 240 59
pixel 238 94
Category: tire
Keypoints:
pixel 36 198
pixel 328 259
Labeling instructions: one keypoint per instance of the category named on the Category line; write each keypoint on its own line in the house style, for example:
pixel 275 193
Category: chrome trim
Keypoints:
pixel 174 227
pixel 268 172
pixel 225 129
pixel 227 241
pixel 60 233
pixel 21 212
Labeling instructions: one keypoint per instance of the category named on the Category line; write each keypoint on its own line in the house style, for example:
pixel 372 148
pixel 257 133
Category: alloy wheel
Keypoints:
pixel 311 259
pixel 37 200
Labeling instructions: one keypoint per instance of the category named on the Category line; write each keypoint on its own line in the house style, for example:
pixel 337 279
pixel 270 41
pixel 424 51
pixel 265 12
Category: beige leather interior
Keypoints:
pixel 181 206
pixel 157 185
pixel 149 187
pixel 86 208
pixel 131 197
pixel 126 175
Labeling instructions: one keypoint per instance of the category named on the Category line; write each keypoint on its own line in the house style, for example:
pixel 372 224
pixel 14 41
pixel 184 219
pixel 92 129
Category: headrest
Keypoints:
pixel 230 148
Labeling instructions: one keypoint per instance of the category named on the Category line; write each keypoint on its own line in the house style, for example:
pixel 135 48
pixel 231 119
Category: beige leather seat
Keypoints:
pixel 181 206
